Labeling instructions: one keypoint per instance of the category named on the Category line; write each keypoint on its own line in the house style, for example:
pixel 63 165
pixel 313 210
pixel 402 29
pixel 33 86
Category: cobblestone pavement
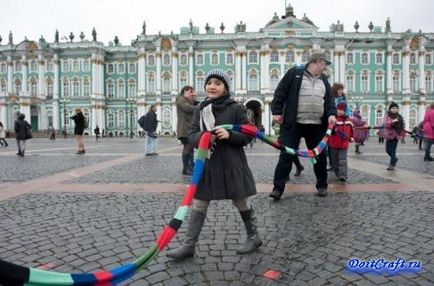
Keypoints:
pixel 309 240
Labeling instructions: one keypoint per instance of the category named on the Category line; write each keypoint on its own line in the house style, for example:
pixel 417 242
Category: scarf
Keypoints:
pixel 208 108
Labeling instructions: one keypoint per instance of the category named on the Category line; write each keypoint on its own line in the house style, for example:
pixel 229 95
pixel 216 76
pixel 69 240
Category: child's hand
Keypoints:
pixel 221 133
pixel 352 140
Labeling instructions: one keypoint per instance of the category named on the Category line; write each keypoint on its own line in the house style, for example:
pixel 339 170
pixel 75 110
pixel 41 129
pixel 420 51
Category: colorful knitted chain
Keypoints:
pixel 12 274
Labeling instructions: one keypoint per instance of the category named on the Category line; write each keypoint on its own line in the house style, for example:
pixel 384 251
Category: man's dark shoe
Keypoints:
pixel 187 171
pixel 322 192
pixel 298 171
pixel 275 194
pixel 342 179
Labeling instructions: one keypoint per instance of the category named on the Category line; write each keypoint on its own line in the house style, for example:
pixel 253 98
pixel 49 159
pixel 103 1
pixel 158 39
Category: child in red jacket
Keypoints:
pixel 339 140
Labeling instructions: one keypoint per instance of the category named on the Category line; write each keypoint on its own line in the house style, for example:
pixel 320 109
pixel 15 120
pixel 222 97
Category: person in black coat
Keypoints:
pixel 150 127
pixel 226 174
pixel 22 133
pixel 80 123
pixel 304 106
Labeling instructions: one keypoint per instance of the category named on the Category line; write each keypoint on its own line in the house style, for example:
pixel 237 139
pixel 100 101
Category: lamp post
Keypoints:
pixel 64 101
pixel 131 100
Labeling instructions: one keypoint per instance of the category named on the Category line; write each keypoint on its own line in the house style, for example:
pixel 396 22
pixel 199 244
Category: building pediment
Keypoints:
pixel 289 24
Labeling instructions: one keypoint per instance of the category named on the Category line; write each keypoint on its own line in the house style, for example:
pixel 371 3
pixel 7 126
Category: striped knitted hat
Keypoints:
pixel 218 74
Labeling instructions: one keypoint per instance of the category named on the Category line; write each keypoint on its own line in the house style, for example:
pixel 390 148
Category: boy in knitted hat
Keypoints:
pixel 393 131
pixel 338 142
pixel 226 174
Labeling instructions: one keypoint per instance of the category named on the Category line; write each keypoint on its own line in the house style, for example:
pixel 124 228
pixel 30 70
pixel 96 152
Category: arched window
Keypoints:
pixel 253 80
pixel 133 118
pixel 86 87
pixel 350 81
pixel 110 92
pixel 199 80
pixel 428 59
pixel 110 119
pixel 379 58
pixel 151 60
pixel 18 67
pixel 75 66
pixel 3 86
pixel 166 82
pixel 167 117
pixel 379 81
pixel 412 58
pixel 132 88
pixel 183 60
pixel 274 57
pixel 49 66
pixel 199 59
pixel 33 87
pixel 413 82
pixel 121 88
pixel 229 59
pixel 110 68
pixel 75 87
pixel 396 82
pixel 121 119
pixel 66 117
pixel 3 68
pixel 379 114
pixel 33 66
pixel 365 82
pixel 365 58
pixel 50 88
pixel 86 114
pixel 65 66
pixel 215 59
pixel 121 68
pixel 183 79
pixel 86 66
pixel 65 87
pixel 290 58
pixel 428 82
pixel 151 82
pixel 253 57
pixel 365 113
pixel 395 59
pixel 412 118
pixel 166 59
pixel 350 59
pixel 132 68
pixel 305 57
pixel 274 79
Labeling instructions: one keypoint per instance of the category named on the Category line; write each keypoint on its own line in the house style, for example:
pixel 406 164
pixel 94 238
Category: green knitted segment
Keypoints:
pixel 181 213
pixel 202 154
pixel 147 257
pixel 49 278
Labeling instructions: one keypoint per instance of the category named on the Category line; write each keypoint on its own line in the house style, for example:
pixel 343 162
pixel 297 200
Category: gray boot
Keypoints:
pixel 253 241
pixel 195 224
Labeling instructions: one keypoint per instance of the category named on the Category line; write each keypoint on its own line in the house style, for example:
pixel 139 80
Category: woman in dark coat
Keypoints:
pixel 22 133
pixel 80 122
pixel 226 174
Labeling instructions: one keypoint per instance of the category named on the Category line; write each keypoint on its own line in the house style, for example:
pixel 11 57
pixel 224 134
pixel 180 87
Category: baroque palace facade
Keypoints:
pixel 115 84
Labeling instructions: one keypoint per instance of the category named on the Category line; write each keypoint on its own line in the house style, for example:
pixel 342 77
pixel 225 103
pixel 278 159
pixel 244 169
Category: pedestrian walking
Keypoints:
pixel 97 133
pixel 80 125
pixel 393 131
pixel 52 133
pixel 360 130
pixel 304 106
pixel 22 133
pixel 226 173
pixel 428 132
pixel 380 134
pixel 185 106
pixel 339 141
pixel 3 136
pixel 149 124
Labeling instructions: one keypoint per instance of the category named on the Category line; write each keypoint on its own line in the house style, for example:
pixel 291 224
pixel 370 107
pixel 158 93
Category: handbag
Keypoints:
pixel 29 134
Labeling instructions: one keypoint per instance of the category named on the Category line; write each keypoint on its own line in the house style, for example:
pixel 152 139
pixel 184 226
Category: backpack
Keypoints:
pixel 141 121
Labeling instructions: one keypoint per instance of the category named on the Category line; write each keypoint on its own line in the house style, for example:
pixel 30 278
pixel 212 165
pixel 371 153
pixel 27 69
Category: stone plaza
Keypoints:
pixel 68 213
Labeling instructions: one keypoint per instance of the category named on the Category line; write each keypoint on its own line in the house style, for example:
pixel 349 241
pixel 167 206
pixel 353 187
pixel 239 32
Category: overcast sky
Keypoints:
pixel 124 18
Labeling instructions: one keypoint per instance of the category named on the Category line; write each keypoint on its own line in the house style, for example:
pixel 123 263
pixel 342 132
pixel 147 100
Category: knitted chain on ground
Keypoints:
pixel 12 274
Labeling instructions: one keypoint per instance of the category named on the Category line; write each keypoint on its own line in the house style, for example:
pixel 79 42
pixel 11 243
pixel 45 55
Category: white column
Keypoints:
pixel 342 67
pixel 174 115
pixel 421 109
pixel 10 75
pixel 282 64
pixel 41 77
pixel 244 71
pixel 267 70
pixel 264 72
pixel 389 75
pixel 237 72
pixel 24 84
pixel 190 67
pixel 3 117
pixel 158 54
pixel 159 113
pixel 336 66
pixel 56 82
pixel 174 71
pixel 141 73
pixel 406 73
pixel 422 89
pixel 266 114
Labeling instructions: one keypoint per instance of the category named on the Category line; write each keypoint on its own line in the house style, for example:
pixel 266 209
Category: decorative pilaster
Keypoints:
pixel 336 66
pixel 422 83
pixel 174 71
pixel 41 77
pixel 265 67
pixel 237 72
pixel 190 65
pixel 244 72
pixel 141 73
pixel 389 74
pixel 10 75
pixel 24 72
pixel 342 67
pixel 158 55
pixel 282 64
pixel 56 83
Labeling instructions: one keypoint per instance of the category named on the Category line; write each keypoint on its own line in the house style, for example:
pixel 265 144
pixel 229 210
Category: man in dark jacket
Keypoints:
pixel 303 105
pixel 185 106
pixel 150 127
pixel 22 133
